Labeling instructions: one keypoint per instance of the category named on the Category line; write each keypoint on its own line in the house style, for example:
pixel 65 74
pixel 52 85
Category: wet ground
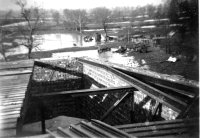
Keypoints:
pixel 154 60
pixel 58 45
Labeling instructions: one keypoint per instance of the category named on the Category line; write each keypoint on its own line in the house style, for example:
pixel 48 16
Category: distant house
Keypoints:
pixel 157 40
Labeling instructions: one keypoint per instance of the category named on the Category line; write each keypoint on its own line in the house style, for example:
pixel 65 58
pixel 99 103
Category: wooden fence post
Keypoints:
pixel 42 113
pixel 132 108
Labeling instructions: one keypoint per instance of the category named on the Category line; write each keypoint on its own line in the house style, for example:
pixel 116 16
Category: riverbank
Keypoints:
pixel 48 54
pixel 155 60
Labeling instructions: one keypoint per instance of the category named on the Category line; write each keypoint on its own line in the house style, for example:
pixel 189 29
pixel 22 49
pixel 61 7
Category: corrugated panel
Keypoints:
pixel 91 129
pixel 14 79
pixel 173 128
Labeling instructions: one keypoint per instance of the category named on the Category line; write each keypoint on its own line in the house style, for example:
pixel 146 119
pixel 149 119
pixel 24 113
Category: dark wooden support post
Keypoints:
pixel 114 106
pixel 19 127
pixel 42 113
pixel 52 75
pixel 155 109
pixel 132 108
pixel 188 109
pixel 144 101
pixel 158 108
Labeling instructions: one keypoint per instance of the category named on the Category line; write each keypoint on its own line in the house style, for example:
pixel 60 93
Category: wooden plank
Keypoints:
pixel 5 91
pixel 144 101
pixel 155 110
pixel 16 72
pixel 12 97
pixel 161 133
pixel 16 64
pixel 22 86
pixel 66 133
pixel 18 81
pixel 156 94
pixel 86 92
pixel 10 82
pixel 10 110
pixel 168 100
pixel 22 94
pixel 9 117
pixel 9 113
pixel 183 135
pixel 15 77
pixel 12 94
pixel 52 134
pixel 78 130
pixel 12 103
pixel 124 97
pixel 157 128
pixel 6 121
pixel 132 110
pixel 97 130
pixel 183 92
pixel 8 107
pixel 12 100
pixel 8 126
pixel 189 108
pixel 109 128
pixel 12 91
pixel 147 78
pixel 155 123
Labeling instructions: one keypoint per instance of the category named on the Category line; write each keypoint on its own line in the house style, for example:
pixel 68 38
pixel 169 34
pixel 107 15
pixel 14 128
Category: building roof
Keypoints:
pixel 14 78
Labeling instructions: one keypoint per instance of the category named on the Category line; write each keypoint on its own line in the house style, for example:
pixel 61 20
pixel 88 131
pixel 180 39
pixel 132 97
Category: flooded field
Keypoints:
pixel 52 42
pixel 109 56
pixel 67 40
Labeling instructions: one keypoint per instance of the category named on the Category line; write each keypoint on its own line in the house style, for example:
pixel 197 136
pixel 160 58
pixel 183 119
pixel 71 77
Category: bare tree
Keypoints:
pixel 4 32
pixel 78 17
pixel 33 21
pixel 151 10
pixel 101 15
pixel 56 16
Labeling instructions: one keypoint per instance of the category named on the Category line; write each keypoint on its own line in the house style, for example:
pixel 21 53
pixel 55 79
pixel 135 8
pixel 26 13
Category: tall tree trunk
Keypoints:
pixel 80 27
pixel 4 53
pixel 5 58
pixel 29 53
pixel 104 27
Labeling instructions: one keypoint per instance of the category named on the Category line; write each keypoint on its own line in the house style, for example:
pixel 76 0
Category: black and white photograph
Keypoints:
pixel 99 68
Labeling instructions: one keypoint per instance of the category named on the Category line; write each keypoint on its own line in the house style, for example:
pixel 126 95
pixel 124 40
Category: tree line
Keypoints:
pixel 175 10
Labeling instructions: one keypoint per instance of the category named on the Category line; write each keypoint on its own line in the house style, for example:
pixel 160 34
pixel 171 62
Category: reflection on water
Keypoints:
pixel 52 42
pixel 57 41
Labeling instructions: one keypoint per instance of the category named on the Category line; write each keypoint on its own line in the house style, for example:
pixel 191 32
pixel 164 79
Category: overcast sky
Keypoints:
pixel 76 4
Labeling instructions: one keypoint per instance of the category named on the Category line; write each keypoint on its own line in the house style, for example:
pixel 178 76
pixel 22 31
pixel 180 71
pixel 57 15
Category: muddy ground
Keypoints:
pixel 155 59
